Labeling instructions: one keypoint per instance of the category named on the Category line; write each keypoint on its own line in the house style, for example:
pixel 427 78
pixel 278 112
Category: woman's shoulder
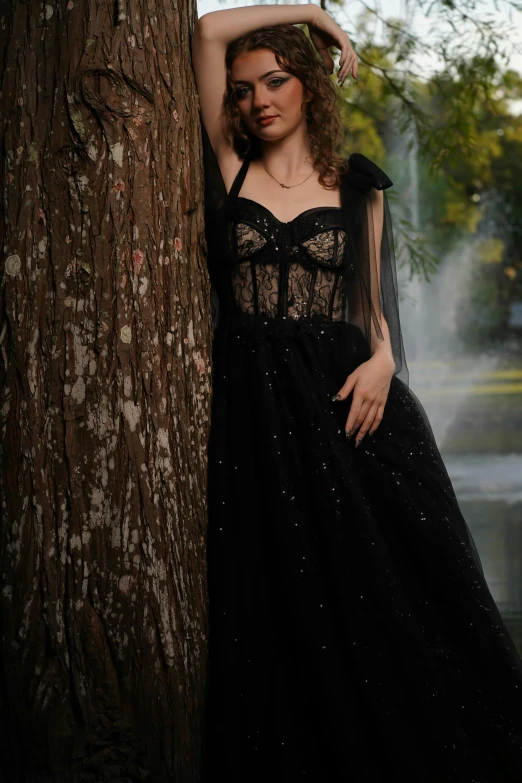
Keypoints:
pixel 363 173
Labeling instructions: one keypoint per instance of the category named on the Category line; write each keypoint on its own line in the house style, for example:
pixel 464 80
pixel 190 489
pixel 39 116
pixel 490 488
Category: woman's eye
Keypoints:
pixel 273 83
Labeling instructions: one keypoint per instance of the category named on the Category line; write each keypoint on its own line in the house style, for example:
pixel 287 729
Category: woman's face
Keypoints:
pixel 262 90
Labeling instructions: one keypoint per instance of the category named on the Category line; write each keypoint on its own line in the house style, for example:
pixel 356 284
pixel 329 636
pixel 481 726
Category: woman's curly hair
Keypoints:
pixel 296 54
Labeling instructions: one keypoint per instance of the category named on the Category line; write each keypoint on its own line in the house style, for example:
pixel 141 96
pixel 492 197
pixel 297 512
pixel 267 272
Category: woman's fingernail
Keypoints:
pixel 358 442
pixel 336 397
pixel 348 434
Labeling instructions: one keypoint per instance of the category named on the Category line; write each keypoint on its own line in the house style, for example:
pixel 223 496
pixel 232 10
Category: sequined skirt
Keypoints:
pixel 352 634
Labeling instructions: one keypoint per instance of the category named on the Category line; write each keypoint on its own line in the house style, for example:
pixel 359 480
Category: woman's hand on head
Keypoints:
pixel 325 32
pixel 370 383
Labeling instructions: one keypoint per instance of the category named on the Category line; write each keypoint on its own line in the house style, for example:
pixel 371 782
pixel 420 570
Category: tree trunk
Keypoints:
pixel 105 386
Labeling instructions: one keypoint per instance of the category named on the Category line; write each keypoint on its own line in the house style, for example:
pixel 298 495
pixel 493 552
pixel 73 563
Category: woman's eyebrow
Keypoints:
pixel 244 81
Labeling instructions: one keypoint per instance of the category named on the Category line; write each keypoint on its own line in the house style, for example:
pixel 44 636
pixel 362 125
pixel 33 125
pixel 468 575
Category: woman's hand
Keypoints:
pixel 325 32
pixel 370 383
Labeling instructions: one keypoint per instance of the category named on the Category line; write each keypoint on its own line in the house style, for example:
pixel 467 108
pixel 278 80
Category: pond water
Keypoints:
pixel 489 489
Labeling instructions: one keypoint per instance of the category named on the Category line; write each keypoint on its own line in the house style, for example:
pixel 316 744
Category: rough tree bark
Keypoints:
pixel 105 386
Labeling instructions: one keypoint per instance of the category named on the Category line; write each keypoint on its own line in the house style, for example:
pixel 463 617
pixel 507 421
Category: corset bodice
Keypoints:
pixel 287 269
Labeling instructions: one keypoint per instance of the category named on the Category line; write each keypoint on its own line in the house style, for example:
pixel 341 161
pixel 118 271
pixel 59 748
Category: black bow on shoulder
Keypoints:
pixel 364 174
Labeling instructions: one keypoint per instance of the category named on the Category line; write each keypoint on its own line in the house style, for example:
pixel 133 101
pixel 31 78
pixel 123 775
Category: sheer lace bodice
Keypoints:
pixel 288 269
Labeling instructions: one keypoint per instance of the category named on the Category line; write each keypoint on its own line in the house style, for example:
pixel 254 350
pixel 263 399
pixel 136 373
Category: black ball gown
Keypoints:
pixel 352 635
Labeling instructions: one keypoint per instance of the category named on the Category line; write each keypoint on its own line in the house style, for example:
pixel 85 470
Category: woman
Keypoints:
pixel 352 633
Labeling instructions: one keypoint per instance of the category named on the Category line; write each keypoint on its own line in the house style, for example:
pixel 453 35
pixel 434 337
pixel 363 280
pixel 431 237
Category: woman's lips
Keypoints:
pixel 267 121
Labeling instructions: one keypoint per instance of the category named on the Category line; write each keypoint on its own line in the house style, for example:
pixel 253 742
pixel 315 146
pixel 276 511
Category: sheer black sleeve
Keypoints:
pixel 371 290
pixel 215 218
pixel 215 190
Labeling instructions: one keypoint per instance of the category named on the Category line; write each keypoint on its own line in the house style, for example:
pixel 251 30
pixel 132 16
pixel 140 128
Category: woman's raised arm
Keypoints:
pixel 228 24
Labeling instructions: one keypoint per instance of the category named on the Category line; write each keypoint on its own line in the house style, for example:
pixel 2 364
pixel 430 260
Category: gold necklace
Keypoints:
pixel 280 183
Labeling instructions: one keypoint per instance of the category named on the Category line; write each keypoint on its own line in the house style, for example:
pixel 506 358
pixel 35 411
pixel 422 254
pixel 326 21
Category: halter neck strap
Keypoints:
pixel 240 178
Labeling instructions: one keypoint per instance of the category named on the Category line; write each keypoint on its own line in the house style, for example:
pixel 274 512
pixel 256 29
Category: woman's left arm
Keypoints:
pixel 370 382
